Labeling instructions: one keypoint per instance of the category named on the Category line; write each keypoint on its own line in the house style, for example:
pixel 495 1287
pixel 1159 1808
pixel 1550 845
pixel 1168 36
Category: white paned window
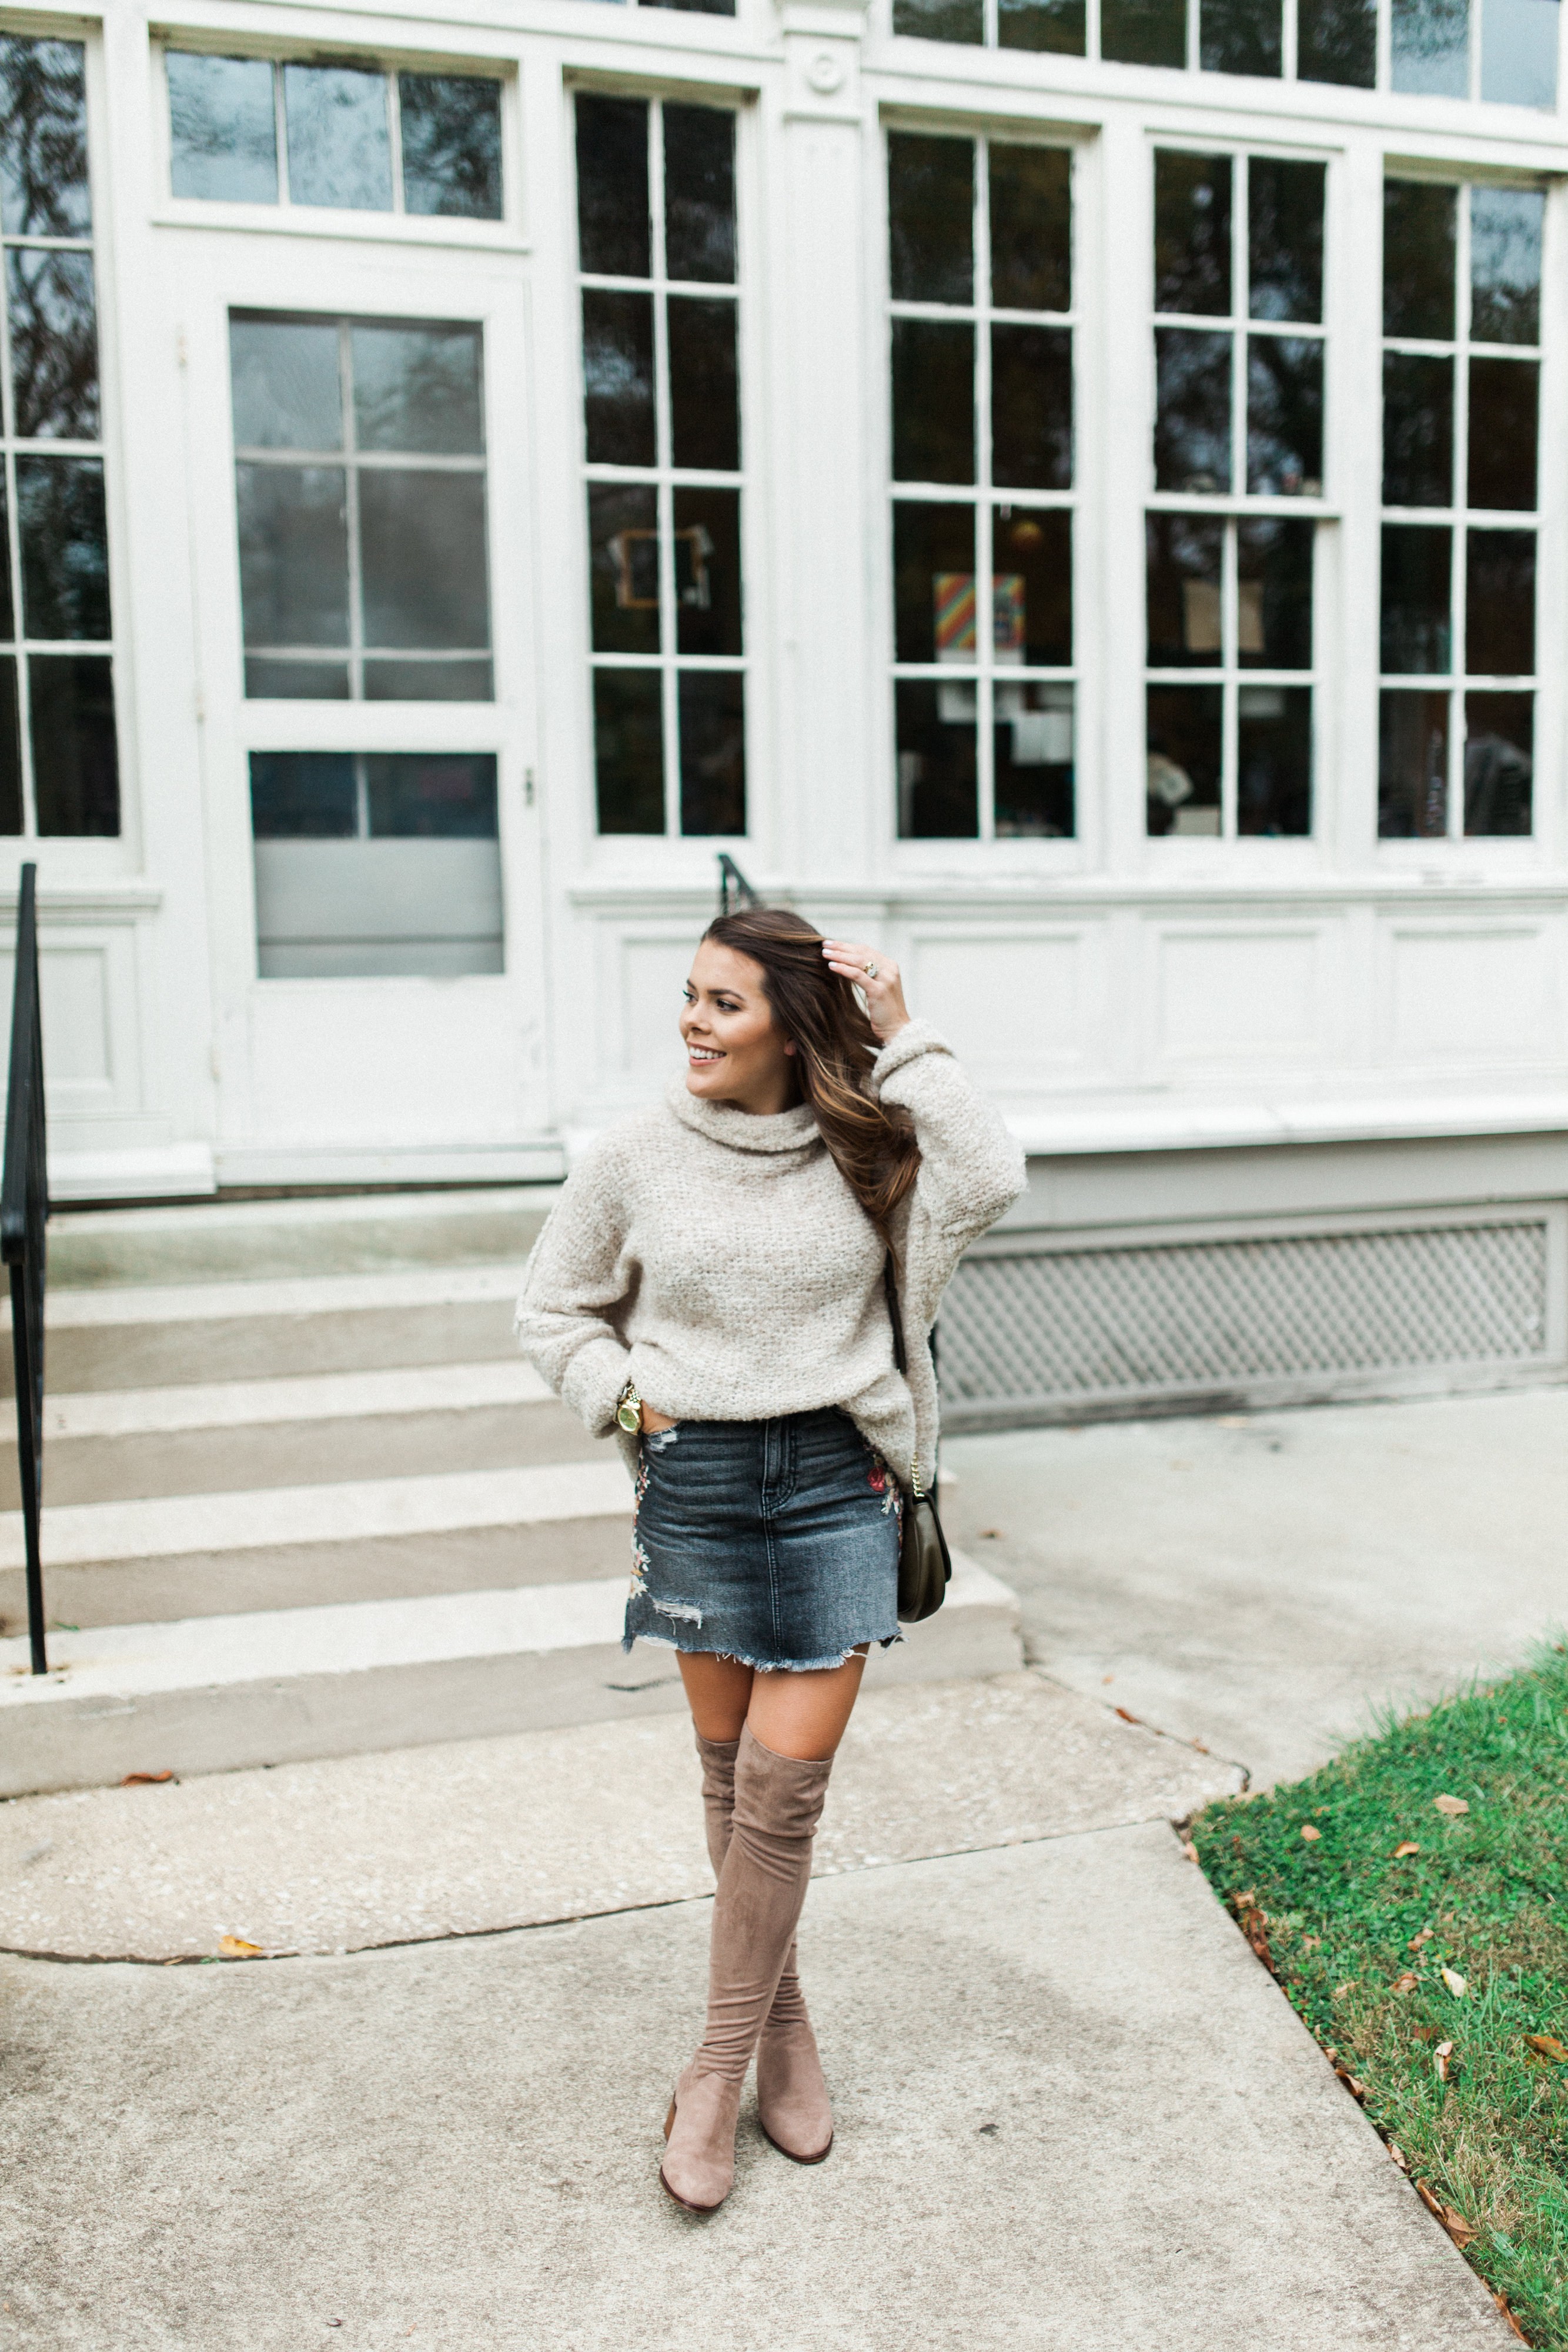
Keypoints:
pixel 656 242
pixel 376 864
pixel 1238 448
pixel 1461 402
pixel 980 258
pixel 58 769
pixel 1500 50
pixel 359 464
pixel 345 137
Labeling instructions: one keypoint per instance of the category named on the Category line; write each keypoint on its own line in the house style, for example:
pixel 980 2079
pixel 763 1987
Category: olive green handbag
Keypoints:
pixel 925 1564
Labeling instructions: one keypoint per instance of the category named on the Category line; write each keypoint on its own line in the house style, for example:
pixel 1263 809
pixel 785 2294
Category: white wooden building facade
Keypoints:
pixel 1074 490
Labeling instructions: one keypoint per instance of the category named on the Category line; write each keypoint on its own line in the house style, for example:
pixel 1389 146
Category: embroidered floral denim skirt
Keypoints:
pixel 773 1542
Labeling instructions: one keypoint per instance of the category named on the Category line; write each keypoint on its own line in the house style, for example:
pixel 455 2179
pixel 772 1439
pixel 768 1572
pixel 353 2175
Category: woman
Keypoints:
pixel 711 1281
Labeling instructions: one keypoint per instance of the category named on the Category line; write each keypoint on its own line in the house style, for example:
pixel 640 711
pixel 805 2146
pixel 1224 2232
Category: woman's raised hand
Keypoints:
pixel 878 978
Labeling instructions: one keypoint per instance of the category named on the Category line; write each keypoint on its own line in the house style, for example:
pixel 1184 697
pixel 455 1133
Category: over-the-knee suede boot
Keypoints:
pixel 791 2095
pixel 778 1803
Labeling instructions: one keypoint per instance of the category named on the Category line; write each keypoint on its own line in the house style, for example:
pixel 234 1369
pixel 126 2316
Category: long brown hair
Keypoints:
pixel 835 1046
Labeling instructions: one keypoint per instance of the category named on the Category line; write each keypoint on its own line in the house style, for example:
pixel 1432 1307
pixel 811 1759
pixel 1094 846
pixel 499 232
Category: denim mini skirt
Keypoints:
pixel 772 1542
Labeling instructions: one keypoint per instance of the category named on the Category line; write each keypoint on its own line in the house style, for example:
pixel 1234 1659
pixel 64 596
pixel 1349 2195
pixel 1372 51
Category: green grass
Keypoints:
pixel 1337 1915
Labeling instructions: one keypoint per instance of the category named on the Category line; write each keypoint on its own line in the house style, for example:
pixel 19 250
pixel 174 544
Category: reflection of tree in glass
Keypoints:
pixel 1505 265
pixel 43 139
pixel 53 343
pixel 1192 428
pixel 65 547
pixel 418 388
pixel 450 144
pixel 1284 417
pixel 699 193
pixel 1431 41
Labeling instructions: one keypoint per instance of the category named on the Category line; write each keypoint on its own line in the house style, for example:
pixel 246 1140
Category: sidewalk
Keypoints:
pixel 1262 1582
pixel 1074 2114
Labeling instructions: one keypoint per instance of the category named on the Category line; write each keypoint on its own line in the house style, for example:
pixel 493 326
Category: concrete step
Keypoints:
pixel 203 1554
pixel 178 1335
pixel 214 1694
pixel 105 1469
pixel 215 1241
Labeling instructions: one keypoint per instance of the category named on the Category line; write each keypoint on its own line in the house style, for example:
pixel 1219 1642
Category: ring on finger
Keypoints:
pixel 869 969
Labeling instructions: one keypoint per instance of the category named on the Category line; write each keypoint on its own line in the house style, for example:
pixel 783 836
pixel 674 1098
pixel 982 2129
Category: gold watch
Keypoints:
pixel 629 1412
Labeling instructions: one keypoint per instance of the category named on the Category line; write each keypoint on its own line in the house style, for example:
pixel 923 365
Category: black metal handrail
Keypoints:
pixel 24 1212
pixel 734 889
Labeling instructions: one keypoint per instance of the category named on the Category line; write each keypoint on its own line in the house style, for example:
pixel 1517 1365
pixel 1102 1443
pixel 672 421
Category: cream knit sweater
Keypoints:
pixel 720 1260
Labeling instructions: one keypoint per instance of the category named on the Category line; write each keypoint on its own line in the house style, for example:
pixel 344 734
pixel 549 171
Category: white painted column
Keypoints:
pixel 830 816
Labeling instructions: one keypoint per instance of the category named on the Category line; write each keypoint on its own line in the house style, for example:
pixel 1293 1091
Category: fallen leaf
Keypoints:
pixel 1254 1925
pixel 1416 1941
pixel 144 1780
pixel 234 1947
pixel 1501 2300
pixel 1356 2088
pixel 1547 2047
pixel 1410 1846
pixel 1189 1850
pixel 1443 2051
pixel 1459 2229
pixel 1398 2156
pixel 1450 1805
pixel 1455 1982
pixel 1312 1943
pixel 1310 1834
pixel 1200 1748
pixel 1407 1982
pixel 1124 1716
pixel 1423 2032
pixel 1340 1990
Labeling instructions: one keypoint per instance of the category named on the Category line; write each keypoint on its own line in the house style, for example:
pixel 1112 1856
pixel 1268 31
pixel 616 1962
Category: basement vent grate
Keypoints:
pixel 1028 1327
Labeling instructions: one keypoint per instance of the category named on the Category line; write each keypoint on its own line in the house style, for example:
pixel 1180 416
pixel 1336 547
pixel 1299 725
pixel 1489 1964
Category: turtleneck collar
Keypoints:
pixel 778 1131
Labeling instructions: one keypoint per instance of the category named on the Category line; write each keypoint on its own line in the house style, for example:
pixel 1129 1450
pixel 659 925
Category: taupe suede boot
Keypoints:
pixel 791 2095
pixel 761 1887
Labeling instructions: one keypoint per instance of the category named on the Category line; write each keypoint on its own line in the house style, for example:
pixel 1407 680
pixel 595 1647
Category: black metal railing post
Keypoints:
pixel 734 889
pixel 24 1209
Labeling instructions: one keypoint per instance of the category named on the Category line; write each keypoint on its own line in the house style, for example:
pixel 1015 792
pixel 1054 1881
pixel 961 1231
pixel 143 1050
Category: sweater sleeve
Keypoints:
pixel 971 1168
pixel 575 1280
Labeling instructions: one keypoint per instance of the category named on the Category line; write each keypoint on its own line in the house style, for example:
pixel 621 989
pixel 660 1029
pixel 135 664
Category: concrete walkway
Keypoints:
pixel 1264 1583
pixel 1074 2114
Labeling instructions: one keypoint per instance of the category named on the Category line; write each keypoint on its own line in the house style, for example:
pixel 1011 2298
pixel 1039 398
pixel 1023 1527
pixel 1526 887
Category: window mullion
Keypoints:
pixel 351 502
pixel 1229 632
pixel 18 622
pixel 1458 651
pixel 395 138
pixel 280 122
pixel 664 516
pixel 985 506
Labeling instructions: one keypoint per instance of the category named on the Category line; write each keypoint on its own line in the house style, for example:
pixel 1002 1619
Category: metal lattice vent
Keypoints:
pixel 1035 1328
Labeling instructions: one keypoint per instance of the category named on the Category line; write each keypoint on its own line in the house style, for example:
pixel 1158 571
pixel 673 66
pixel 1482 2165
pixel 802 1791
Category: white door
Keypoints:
pixel 358 484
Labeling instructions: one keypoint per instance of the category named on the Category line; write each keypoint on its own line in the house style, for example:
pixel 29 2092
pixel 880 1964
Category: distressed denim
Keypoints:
pixel 773 1542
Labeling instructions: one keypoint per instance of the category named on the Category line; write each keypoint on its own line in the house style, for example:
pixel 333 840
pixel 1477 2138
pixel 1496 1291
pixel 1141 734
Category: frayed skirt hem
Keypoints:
pixel 761 1666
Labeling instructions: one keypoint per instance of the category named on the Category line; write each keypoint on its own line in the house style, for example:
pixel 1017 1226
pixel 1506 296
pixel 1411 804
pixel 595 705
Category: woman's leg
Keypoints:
pixel 777 1794
pixel 718 1691
pixel 805 1716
